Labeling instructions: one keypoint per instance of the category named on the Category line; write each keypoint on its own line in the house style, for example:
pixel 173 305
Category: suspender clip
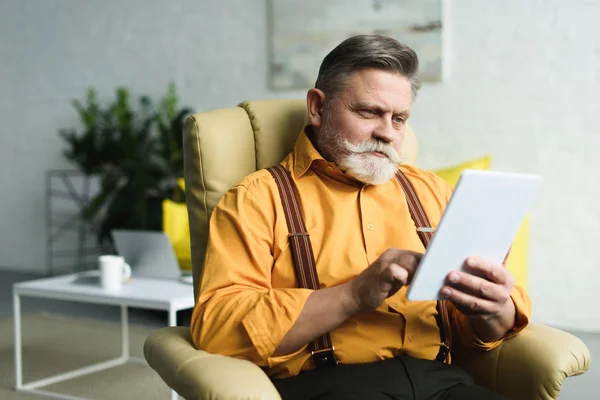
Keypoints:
pixel 443 353
pixel 425 229
pixel 324 358
pixel 298 234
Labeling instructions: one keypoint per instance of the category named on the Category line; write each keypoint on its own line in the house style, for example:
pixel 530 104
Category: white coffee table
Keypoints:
pixel 168 295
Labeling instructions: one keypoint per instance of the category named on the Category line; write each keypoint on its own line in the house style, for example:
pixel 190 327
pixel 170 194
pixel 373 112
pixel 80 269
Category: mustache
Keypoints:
pixel 372 145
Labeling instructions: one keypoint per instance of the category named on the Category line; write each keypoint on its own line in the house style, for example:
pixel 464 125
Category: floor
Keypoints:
pixel 581 387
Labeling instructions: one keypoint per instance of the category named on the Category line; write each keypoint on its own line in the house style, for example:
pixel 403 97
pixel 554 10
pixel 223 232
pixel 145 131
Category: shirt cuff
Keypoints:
pixel 522 317
pixel 272 318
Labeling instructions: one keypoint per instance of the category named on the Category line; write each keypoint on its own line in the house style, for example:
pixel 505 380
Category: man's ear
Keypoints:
pixel 315 102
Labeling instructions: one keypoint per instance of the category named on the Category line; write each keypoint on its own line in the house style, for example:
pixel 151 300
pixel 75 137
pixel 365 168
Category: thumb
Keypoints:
pixel 397 275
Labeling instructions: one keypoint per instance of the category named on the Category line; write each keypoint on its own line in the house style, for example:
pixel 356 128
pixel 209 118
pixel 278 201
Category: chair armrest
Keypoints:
pixel 196 374
pixel 531 365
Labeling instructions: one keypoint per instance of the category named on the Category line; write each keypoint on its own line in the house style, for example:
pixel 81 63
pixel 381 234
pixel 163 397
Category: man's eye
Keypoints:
pixel 367 113
pixel 399 120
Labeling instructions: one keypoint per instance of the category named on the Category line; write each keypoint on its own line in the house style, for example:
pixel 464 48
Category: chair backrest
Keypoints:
pixel 223 146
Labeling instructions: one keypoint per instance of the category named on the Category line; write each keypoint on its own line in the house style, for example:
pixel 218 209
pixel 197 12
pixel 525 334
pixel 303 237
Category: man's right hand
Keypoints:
pixel 326 309
pixel 392 270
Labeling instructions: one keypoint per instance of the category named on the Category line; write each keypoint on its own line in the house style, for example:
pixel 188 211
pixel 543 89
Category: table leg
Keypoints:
pixel 18 348
pixel 173 322
pixel 124 333
pixel 172 317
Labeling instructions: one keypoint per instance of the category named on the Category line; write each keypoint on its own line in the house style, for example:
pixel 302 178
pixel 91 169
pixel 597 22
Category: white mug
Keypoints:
pixel 114 271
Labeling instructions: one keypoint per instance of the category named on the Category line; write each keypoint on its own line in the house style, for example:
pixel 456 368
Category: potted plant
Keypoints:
pixel 136 153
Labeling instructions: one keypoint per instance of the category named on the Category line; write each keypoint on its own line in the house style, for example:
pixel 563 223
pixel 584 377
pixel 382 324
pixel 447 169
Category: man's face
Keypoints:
pixel 362 128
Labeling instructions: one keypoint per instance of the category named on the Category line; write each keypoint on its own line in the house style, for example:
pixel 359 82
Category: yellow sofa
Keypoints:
pixel 223 146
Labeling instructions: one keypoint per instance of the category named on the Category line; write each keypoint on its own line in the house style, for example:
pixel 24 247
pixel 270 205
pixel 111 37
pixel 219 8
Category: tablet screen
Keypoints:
pixel 481 219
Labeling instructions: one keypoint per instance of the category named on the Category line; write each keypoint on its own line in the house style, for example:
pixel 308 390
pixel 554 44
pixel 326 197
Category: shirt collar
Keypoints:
pixel 305 152
pixel 306 156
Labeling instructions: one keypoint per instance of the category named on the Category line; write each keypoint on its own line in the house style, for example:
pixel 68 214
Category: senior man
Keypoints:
pixel 308 262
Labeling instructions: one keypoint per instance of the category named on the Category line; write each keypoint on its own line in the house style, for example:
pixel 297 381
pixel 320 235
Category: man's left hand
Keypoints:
pixel 482 292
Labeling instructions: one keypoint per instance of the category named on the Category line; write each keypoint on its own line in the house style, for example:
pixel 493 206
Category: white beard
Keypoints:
pixel 356 160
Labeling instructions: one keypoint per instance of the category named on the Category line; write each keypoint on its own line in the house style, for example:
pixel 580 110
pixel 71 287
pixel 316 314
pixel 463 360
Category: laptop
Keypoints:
pixel 149 254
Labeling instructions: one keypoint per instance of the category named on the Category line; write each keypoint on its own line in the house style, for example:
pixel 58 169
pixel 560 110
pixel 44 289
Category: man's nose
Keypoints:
pixel 384 131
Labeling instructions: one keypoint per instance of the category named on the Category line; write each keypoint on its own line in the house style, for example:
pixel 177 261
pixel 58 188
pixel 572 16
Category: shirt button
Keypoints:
pixel 411 337
pixel 371 227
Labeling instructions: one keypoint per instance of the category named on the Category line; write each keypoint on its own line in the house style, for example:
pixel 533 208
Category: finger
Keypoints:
pixel 414 255
pixel 477 286
pixel 395 255
pixel 408 260
pixel 488 270
pixel 467 303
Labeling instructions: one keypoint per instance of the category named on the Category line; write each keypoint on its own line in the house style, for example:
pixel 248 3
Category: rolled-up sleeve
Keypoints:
pixel 468 336
pixel 238 313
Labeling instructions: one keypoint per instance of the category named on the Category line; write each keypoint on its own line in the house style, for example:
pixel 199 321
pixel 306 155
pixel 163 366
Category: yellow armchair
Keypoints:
pixel 223 146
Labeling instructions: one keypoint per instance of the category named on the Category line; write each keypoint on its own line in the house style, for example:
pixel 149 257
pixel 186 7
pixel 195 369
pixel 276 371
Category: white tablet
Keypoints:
pixel 481 219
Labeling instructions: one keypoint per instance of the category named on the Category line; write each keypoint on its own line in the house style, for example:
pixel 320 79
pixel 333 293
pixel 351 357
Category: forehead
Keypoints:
pixel 384 88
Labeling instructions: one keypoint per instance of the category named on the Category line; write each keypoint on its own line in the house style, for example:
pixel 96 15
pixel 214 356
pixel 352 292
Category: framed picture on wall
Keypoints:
pixel 302 32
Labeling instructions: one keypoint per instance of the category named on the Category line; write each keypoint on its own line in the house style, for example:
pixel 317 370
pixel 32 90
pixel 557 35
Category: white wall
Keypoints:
pixel 520 84
pixel 52 50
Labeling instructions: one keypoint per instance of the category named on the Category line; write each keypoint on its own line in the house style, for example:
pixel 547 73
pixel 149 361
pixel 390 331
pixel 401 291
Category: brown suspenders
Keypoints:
pixel 302 253
pixel 425 233
pixel 322 349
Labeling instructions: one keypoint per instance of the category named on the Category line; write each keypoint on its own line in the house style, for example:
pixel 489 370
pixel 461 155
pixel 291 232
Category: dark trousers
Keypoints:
pixel 399 378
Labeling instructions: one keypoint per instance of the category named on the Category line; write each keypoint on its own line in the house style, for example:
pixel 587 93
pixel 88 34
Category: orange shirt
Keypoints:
pixel 248 296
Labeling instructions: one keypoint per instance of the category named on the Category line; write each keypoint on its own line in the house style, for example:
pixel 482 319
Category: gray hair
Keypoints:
pixel 367 51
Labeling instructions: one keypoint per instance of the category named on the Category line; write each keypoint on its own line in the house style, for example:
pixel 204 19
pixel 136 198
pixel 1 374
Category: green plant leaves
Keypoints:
pixel 136 151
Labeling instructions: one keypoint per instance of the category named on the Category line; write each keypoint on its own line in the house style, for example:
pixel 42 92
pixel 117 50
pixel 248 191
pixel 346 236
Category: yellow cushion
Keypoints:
pixel 451 174
pixel 517 260
pixel 176 227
